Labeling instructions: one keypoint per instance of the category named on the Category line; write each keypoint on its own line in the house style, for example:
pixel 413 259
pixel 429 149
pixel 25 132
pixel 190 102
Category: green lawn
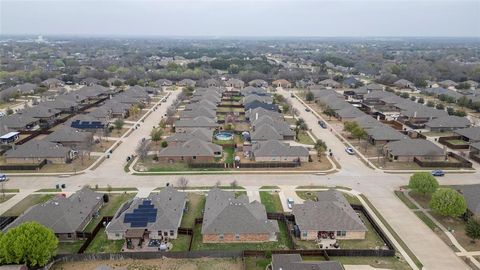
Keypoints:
pixel 271 201
pixel 196 203
pixel 282 242
pixel 405 200
pixel 109 209
pixel 426 220
pixel 304 138
pixel 9 190
pixel 378 262
pixel 69 247
pixel 26 203
pixel 229 154
pixel 457 142
pixel 372 239
pixel 256 263
pixel 269 187
pixel 307 195
pixel 49 190
pixel 101 244
pixel 181 243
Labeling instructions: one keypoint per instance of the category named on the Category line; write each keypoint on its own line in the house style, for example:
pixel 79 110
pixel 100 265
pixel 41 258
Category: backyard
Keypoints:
pixel 100 244
pixel 69 247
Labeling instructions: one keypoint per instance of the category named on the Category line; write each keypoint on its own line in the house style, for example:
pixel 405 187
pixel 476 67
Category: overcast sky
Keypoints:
pixel 242 18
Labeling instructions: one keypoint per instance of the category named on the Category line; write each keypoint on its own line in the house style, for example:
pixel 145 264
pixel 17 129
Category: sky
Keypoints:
pixel 248 18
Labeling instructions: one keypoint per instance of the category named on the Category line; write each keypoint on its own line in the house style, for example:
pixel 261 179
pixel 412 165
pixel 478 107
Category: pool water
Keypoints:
pixel 224 136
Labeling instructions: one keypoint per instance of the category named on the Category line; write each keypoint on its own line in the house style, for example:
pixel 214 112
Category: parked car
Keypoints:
pixel 3 177
pixel 438 173
pixel 307 109
pixel 350 151
pixel 290 203
pixel 322 124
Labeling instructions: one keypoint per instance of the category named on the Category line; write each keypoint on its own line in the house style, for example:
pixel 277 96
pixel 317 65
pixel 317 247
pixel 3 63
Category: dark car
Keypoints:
pixel 438 173
pixel 322 124
pixel 307 109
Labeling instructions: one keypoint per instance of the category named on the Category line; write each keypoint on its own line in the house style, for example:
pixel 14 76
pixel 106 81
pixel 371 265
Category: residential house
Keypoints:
pixel 282 83
pixel 46 116
pixel 156 217
pixel 258 83
pixel 351 82
pixel 228 219
pixel 254 114
pixel 90 81
pixel 259 104
pixel 253 97
pixel 268 128
pixel 36 151
pixel 21 89
pixel 117 109
pixel 64 216
pixel 198 133
pixel 199 111
pixel 348 113
pixel 329 83
pixel 19 122
pixel 87 122
pixel 186 125
pixel 193 150
pixel 52 83
pixel 76 97
pixel 71 137
pixel 331 216
pixel 402 83
pixel 448 84
pixel 62 105
pixel 447 123
pixel 201 104
pixel 277 151
pixel 163 82
pixel 296 262
pixel 186 83
pixel 408 149
pixel 471 193
pixel 235 83
pixel 383 134
pixel 470 135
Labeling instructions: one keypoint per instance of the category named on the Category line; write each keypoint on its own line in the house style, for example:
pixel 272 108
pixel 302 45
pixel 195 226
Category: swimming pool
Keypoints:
pixel 224 136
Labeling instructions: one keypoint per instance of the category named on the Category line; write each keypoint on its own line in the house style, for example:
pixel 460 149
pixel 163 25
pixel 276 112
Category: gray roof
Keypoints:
pixel 169 204
pixel 202 104
pixel 266 132
pixel 187 82
pixel 367 121
pixel 349 112
pixel 39 112
pixel 59 104
pixel 331 212
pixel 38 149
pixel 198 111
pixel 471 193
pixel 449 121
pixel 472 133
pixel 414 147
pixel 17 121
pixel 257 113
pixel 295 262
pixel 275 148
pixel 198 133
pixel 193 147
pixel 62 215
pixel 475 145
pixel 226 214
pixel 252 97
pixel 73 96
pixel 68 134
pixel 385 133
pixel 258 82
pixel 403 82
pixel 200 121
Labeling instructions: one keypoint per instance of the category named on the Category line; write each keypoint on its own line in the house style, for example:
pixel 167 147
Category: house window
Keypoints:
pixel 221 236
pixel 172 233
pixel 194 157
pixel 237 236
pixel 117 235
pixel 341 233
pixel 165 233
pixel 159 233
pixel 305 234
pixel 69 235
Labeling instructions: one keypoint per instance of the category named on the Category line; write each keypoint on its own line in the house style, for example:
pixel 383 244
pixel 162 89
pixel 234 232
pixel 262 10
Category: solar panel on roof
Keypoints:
pixel 141 215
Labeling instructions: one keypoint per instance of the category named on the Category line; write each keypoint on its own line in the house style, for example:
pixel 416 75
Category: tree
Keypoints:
pixel 423 182
pixel 421 100
pixel 182 182
pixel 460 113
pixel 156 135
pixel 309 96
pixel 142 149
pixel 134 110
pixel 9 111
pixel 164 144
pixel 285 108
pixel 472 229
pixel 448 202
pixel 118 124
pixel 404 95
pixel 463 101
pixel 329 112
pixel 413 98
pixel 430 103
pixel 440 106
pixel 321 147
pixel 450 111
pixel 234 184
pixel 30 243
pixel 359 133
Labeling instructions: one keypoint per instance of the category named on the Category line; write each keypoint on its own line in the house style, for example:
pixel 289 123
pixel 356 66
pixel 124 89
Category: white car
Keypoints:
pixel 3 177
pixel 349 151
pixel 290 203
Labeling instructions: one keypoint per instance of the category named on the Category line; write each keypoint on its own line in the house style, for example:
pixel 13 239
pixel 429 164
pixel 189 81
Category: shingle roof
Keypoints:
pixel 471 193
pixel 200 121
pixel 39 112
pixel 449 121
pixel 331 212
pixel 169 204
pixel 472 133
pixel 385 133
pixel 68 134
pixel 193 147
pixel 226 214
pixel 275 148
pixel 38 149
pixel 295 262
pixel 198 133
pixel 17 121
pixel 414 147
pixel 62 215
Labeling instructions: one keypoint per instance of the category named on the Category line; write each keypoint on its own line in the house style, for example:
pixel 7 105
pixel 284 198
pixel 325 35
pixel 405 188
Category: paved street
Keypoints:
pixel 377 186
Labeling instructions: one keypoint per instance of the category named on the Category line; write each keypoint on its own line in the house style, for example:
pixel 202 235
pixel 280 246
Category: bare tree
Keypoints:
pixel 234 183
pixel 218 183
pixel 142 149
pixel 182 182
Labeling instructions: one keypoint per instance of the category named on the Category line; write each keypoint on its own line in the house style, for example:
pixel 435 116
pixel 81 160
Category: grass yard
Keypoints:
pixel 256 263
pixel 229 154
pixel 5 197
pixel 269 187
pixel 69 247
pixel 271 200
pixel 109 209
pixel 457 142
pixel 101 244
pixel 372 239
pixel 304 138
pixel 9 190
pixel 196 203
pixel 49 190
pixel 181 243
pixel 405 200
pixel 26 203
pixel 282 243
pixel 307 195
pixel 422 200
pixel 457 228
pixel 378 262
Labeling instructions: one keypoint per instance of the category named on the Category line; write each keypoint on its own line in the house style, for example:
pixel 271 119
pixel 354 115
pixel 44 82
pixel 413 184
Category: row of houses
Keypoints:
pixel 192 141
